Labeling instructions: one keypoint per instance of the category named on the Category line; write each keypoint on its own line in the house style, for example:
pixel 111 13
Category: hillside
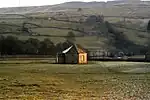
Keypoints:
pixel 90 28
pixel 103 34
pixel 105 8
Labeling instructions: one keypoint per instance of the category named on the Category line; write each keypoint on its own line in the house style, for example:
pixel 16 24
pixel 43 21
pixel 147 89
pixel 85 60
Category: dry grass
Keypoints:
pixel 73 82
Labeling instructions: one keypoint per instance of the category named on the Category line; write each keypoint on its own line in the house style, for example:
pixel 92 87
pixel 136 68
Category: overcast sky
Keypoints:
pixel 14 3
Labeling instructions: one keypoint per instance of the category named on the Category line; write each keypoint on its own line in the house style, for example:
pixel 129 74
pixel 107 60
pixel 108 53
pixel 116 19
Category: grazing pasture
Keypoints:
pixel 93 81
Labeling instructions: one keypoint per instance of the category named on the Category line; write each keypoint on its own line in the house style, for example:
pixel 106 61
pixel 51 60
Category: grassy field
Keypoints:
pixel 138 38
pixel 95 81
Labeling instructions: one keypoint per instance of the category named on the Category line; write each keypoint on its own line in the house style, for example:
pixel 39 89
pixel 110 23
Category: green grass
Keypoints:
pixel 98 80
pixel 136 37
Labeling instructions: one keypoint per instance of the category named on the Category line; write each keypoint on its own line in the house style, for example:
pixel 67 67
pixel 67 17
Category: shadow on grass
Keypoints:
pixel 24 85
pixel 117 71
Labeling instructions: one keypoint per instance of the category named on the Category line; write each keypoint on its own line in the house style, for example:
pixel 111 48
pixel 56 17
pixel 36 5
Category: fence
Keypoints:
pixel 101 55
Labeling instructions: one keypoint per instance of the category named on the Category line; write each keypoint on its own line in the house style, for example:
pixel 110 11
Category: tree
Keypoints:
pixel 1 44
pixel 47 47
pixel 31 46
pixel 34 41
pixel 59 47
pixel 79 10
pixel 11 46
pixel 70 37
pixel 148 27
pixel 62 46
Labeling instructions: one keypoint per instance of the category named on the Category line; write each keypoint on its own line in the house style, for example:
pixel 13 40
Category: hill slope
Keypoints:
pixel 105 8
pixel 107 33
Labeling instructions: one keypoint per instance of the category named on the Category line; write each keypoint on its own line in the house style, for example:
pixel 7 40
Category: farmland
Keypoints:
pixel 97 80
pixel 54 21
pixel 95 35
pixel 105 40
pixel 27 78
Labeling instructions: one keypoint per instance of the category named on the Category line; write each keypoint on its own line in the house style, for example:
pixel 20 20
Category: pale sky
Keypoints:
pixel 14 3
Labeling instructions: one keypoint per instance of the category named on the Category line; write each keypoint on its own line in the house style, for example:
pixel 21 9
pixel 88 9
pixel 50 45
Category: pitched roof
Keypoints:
pixel 65 51
pixel 77 47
